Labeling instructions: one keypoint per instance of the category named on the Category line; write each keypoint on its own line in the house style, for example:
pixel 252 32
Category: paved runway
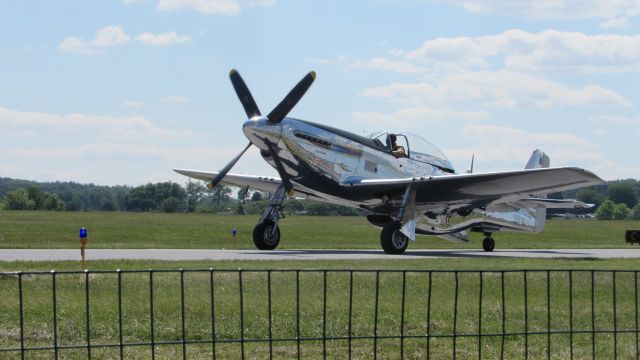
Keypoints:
pixel 318 254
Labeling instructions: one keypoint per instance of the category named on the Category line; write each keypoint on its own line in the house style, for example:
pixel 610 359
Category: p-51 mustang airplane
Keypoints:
pixel 406 184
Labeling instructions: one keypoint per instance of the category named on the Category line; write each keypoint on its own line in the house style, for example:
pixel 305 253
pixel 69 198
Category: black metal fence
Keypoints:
pixel 320 314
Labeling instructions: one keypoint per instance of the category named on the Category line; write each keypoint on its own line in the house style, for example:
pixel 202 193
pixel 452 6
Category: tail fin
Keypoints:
pixel 539 160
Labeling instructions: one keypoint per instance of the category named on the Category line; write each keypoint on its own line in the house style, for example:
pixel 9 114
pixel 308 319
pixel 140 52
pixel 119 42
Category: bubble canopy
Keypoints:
pixel 420 149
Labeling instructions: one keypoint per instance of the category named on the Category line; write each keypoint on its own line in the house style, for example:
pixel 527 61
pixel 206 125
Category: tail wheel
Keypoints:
pixel 392 240
pixel 488 244
pixel 264 236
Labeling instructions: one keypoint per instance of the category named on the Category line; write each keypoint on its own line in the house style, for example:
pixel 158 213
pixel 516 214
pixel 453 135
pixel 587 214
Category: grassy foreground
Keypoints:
pixel 31 229
pixel 323 304
pixel 327 308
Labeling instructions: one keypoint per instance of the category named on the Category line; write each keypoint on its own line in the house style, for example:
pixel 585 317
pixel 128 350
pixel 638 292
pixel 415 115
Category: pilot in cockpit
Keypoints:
pixel 397 151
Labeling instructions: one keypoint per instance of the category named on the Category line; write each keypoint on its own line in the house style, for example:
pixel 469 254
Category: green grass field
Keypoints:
pixel 150 230
pixel 448 313
pixel 31 229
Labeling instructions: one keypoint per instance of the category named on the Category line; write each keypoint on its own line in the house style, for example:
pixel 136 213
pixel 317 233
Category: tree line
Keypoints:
pixel 158 197
pixel 617 199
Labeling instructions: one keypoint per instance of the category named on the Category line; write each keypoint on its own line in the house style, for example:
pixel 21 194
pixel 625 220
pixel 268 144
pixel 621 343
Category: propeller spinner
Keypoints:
pixel 275 116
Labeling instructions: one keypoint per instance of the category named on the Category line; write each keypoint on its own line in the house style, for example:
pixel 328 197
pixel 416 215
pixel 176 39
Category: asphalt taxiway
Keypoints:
pixel 316 254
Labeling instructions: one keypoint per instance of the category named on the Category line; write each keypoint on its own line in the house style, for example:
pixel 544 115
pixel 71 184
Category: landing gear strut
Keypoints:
pixel 266 235
pixel 392 240
pixel 488 244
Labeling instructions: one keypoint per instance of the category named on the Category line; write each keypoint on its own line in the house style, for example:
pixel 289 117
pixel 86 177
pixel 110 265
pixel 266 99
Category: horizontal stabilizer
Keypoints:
pixel 556 203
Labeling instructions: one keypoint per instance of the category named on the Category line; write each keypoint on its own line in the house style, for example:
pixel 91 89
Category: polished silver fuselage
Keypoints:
pixel 320 160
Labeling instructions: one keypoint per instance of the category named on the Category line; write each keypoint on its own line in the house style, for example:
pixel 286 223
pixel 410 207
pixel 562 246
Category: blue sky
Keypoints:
pixel 121 92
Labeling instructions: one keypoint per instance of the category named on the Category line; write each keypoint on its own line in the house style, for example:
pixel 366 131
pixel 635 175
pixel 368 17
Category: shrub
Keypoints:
pixel 621 212
pixel 635 212
pixel 605 210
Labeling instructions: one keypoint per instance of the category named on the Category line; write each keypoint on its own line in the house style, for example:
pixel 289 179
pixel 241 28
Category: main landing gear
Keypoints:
pixel 488 244
pixel 392 240
pixel 266 235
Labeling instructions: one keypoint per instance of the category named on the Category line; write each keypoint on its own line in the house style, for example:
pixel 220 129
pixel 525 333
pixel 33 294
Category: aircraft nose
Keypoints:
pixel 259 128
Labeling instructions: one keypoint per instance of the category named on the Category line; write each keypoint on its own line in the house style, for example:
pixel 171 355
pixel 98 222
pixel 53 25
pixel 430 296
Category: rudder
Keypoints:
pixel 539 160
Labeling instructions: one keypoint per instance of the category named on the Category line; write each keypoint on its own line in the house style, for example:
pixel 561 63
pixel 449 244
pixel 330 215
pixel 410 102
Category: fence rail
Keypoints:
pixel 221 313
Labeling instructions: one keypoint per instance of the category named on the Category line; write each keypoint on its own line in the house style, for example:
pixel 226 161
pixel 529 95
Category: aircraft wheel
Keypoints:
pixel 488 244
pixel 392 240
pixel 263 236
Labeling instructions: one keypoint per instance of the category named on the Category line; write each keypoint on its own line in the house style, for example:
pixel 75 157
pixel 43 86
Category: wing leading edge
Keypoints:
pixel 264 183
pixel 495 188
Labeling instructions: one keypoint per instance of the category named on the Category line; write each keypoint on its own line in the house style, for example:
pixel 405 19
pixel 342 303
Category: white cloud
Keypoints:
pixel 110 36
pixel 165 39
pixel 131 104
pixel 416 116
pixel 76 123
pixel 504 148
pixel 104 149
pixel 553 9
pixel 379 63
pixel 615 23
pixel 227 7
pixel 614 120
pixel 513 136
pixel 550 50
pixel 502 89
pixel 376 63
pixel 75 45
pixel 104 37
pixel 175 99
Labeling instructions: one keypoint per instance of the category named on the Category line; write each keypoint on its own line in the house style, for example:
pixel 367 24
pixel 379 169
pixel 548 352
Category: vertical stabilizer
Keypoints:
pixel 539 160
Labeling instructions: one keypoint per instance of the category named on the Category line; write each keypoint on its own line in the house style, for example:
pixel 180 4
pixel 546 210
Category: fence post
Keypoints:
pixel 526 317
pixel 455 316
pixel 270 314
pixel 152 316
pixel 55 316
pixel 429 315
pixel 404 281
pixel 298 312
pixel 213 313
pixel 241 314
pixel 21 309
pixel 120 312
pixel 86 297
pixel 480 319
pixel 182 317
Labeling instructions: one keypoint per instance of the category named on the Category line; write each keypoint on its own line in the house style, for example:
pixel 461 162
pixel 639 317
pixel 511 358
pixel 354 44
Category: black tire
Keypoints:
pixel 488 244
pixel 263 235
pixel 392 240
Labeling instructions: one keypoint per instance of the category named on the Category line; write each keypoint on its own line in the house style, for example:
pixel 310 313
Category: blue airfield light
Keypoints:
pixel 83 233
pixel 234 232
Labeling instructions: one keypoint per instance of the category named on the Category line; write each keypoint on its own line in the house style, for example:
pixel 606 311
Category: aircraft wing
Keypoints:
pixel 483 188
pixel 264 183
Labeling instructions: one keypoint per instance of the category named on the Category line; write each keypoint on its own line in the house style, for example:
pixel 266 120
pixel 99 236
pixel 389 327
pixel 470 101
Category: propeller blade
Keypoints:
pixel 288 187
pixel 279 112
pixel 226 169
pixel 249 104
